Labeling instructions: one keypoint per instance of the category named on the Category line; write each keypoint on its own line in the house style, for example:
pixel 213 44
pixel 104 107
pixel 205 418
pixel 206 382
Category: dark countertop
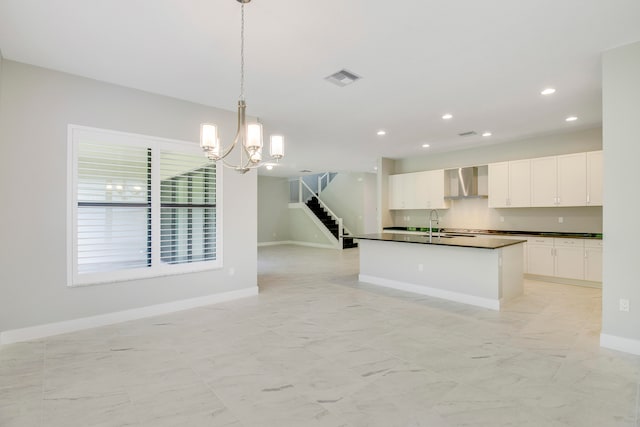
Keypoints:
pixel 504 232
pixel 466 242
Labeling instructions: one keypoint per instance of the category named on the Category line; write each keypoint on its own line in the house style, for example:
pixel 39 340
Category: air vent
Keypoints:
pixel 470 133
pixel 305 171
pixel 342 78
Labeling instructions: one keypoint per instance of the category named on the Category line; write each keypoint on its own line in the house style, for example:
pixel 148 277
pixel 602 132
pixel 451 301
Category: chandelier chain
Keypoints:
pixel 242 52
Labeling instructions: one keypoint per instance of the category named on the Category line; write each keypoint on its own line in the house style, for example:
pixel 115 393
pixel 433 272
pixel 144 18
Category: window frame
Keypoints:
pixel 77 133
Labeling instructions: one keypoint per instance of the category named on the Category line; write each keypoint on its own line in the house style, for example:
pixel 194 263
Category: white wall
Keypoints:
pixel 621 269
pixel 37 105
pixel 304 230
pixel 539 146
pixel 475 213
pixel 386 167
pixel 273 211
pixel 351 196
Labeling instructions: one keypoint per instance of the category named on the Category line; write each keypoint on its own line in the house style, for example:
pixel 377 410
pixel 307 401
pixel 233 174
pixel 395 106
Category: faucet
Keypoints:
pixel 431 219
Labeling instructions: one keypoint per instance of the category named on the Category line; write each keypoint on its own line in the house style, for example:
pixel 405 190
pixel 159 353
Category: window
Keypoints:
pixel 140 207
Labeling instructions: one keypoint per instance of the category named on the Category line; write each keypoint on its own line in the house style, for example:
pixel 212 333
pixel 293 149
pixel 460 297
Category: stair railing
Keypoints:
pixel 305 193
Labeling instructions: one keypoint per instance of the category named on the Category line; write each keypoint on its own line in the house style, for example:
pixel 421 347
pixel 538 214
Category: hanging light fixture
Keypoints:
pixel 248 136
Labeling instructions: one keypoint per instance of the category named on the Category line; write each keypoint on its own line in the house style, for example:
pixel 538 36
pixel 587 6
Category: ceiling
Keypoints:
pixel 485 62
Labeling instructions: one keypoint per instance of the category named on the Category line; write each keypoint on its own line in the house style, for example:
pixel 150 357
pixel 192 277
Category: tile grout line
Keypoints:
pixel 638 404
pixel 42 404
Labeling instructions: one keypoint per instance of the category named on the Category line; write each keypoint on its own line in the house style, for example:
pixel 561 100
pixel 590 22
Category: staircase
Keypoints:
pixel 314 205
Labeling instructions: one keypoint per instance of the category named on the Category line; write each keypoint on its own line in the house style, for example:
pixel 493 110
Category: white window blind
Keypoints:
pixel 188 208
pixel 141 207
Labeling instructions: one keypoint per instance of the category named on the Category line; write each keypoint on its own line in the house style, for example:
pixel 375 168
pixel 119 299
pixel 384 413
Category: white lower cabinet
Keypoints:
pixel 540 254
pixel 569 258
pixel 579 259
pixel 593 260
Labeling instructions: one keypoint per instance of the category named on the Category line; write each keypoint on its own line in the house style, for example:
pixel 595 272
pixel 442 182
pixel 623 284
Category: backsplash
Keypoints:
pixel 475 214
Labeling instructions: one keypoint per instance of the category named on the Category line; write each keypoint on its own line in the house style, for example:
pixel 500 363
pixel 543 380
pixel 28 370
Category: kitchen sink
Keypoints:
pixel 448 235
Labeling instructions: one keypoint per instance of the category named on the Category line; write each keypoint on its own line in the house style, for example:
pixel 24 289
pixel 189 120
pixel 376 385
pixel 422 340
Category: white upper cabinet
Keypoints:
pixel 559 180
pixel 510 184
pixel 418 190
pixel 402 189
pixel 544 181
pixel 396 192
pixel 417 198
pixel 499 185
pixel 435 190
pixel 572 180
pixel 594 178
pixel 520 183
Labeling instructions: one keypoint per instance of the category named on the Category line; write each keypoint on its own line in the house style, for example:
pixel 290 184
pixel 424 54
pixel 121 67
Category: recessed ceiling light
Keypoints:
pixel 486 134
pixel 571 119
pixel 447 116
pixel 548 91
pixel 425 146
pixel 382 132
pixel 269 167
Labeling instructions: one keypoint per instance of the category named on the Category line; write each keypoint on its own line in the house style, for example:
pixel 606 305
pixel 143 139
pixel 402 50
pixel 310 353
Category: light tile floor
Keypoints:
pixel 317 348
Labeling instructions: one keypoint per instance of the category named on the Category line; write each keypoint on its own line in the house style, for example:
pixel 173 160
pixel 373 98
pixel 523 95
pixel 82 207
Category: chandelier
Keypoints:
pixel 248 136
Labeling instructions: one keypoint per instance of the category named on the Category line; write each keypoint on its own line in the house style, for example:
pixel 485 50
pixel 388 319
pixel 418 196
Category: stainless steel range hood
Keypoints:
pixel 464 183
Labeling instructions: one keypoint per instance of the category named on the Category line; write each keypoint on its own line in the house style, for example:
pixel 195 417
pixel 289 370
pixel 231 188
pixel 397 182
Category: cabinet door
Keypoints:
pixel 572 180
pixel 520 183
pixel 544 181
pixel 435 190
pixel 569 258
pixel 420 191
pixel 540 258
pixel 593 261
pixel 499 185
pixel 594 178
pixel 396 191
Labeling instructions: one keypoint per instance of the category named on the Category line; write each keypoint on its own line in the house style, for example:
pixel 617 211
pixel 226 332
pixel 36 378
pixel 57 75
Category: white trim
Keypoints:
pixel 432 292
pixel 45 330
pixel 157 268
pixel 563 281
pixel 313 245
pixel 628 345
pixel 281 242
pixel 298 243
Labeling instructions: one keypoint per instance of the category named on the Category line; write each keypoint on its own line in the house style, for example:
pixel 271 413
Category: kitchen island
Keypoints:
pixel 479 271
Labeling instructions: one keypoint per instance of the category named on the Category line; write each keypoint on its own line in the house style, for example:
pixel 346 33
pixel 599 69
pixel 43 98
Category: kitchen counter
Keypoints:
pixel 479 271
pixel 461 241
pixel 565 235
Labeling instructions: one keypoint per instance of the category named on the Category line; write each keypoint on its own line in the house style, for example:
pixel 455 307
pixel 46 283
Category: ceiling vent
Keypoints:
pixel 305 171
pixel 342 78
pixel 470 133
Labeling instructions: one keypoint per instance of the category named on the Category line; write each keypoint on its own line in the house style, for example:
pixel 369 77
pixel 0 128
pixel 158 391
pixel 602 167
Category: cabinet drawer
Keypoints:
pixel 579 243
pixel 547 241
pixel 592 243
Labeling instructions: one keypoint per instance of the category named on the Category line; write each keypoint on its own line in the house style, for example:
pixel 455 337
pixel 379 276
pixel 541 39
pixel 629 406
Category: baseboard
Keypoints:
pixel 298 243
pixel 281 242
pixel 563 281
pixel 49 329
pixel 314 245
pixel 432 292
pixel 613 342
